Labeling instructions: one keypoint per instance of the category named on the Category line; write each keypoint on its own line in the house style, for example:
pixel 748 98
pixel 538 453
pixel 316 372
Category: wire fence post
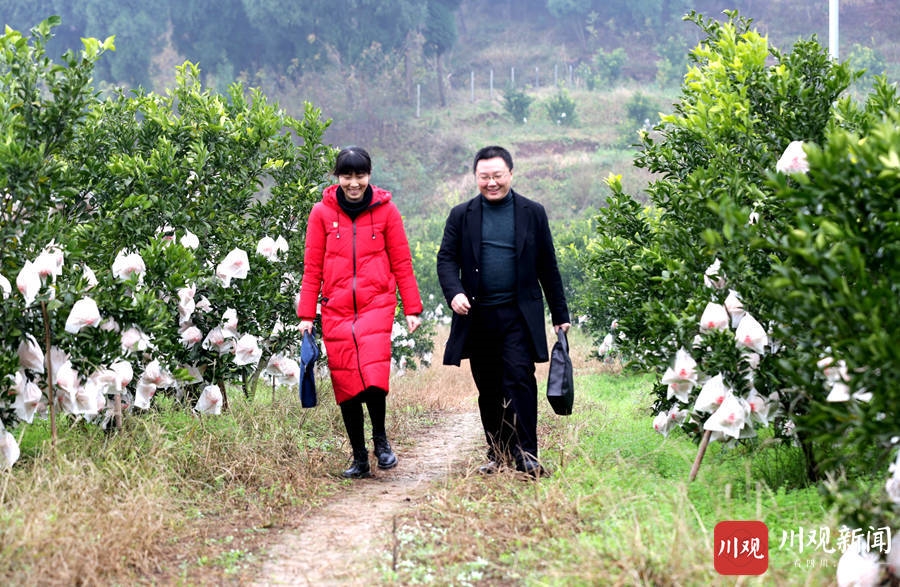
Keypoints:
pixel 559 78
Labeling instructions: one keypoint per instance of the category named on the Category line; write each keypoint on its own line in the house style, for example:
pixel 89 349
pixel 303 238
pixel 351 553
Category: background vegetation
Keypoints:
pixel 610 67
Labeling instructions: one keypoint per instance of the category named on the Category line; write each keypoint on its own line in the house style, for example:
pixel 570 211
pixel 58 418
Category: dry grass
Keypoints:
pixel 435 388
pixel 68 519
pixel 162 500
pixel 71 517
pixel 173 499
pixel 170 497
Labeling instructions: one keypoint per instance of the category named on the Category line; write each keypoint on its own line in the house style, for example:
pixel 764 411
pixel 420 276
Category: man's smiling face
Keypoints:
pixel 493 178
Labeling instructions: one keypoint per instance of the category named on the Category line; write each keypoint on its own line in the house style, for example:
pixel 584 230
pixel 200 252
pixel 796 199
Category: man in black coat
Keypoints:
pixel 495 259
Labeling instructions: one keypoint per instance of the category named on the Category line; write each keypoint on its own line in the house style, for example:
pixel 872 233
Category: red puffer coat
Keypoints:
pixel 358 265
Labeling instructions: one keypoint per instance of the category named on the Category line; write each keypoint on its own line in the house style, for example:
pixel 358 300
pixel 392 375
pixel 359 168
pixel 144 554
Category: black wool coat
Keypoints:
pixel 459 271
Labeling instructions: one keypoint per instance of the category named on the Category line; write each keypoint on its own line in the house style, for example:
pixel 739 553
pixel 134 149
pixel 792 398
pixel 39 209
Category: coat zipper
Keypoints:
pixel 356 311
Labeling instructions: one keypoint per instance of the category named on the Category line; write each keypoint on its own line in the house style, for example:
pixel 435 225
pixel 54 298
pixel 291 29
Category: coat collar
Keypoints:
pixel 473 220
pixel 379 196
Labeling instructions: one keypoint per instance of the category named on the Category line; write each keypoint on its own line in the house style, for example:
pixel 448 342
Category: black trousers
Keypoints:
pixel 503 369
pixel 352 413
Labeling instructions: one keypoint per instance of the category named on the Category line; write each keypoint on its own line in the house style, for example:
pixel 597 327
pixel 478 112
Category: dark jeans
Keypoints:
pixel 503 369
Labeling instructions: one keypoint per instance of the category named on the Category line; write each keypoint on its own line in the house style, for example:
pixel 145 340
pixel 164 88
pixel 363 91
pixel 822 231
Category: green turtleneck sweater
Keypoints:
pixel 498 251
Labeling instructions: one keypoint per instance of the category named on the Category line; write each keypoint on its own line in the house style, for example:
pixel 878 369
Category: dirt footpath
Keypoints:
pixel 342 542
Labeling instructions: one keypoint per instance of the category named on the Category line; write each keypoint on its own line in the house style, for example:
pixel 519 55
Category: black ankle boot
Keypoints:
pixel 360 467
pixel 386 457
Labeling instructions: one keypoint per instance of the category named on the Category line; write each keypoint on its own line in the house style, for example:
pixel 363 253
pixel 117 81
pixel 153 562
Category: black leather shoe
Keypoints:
pixel 386 457
pixel 489 468
pixel 531 467
pixel 358 470
pixel 360 467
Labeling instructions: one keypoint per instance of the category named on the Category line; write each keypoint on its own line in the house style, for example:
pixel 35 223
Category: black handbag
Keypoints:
pixel 560 383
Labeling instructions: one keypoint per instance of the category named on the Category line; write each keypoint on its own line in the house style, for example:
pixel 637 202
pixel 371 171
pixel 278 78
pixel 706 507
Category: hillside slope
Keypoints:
pixel 426 160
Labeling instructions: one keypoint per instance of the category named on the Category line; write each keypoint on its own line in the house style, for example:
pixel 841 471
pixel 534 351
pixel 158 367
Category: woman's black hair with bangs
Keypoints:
pixel 352 160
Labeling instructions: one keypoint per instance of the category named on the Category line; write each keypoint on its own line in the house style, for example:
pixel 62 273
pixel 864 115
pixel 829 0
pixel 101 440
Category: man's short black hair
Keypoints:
pixel 491 152
pixel 352 160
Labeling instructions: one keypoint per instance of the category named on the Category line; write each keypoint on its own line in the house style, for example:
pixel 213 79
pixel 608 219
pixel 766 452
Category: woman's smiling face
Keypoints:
pixel 354 185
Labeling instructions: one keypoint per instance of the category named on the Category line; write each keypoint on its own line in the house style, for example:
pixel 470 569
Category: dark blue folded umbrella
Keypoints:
pixel 309 352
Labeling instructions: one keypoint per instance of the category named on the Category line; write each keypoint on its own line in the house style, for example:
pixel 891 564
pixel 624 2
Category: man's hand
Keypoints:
pixel 460 304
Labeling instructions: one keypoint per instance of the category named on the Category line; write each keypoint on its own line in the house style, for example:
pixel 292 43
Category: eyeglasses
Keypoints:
pixel 485 178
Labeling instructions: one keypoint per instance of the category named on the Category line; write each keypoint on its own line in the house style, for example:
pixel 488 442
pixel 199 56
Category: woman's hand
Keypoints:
pixel 306 326
pixel 412 322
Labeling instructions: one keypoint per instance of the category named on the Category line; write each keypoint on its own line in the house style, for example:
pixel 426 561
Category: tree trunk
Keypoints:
pixel 221 384
pixel 440 79
pixel 117 410
pixel 48 365
pixel 578 28
pixel 251 384
pixel 407 72
pixel 701 450
pixel 813 474
pixel 461 23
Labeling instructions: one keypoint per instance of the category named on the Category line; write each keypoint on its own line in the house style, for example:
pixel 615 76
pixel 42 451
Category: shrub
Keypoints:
pixel 641 114
pixel 867 59
pixel 584 72
pixel 561 109
pixel 608 65
pixel 641 110
pixel 834 296
pixel 657 269
pixel 174 184
pixel 807 246
pixel 517 104
pixel 673 61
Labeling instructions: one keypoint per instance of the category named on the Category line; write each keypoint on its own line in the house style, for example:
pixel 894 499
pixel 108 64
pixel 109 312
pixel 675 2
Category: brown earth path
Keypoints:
pixel 346 541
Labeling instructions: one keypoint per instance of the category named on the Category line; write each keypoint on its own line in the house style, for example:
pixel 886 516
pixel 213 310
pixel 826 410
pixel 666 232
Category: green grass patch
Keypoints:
pixel 618 508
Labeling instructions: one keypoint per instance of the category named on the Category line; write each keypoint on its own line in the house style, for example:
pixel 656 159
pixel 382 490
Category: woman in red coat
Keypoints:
pixel 357 256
